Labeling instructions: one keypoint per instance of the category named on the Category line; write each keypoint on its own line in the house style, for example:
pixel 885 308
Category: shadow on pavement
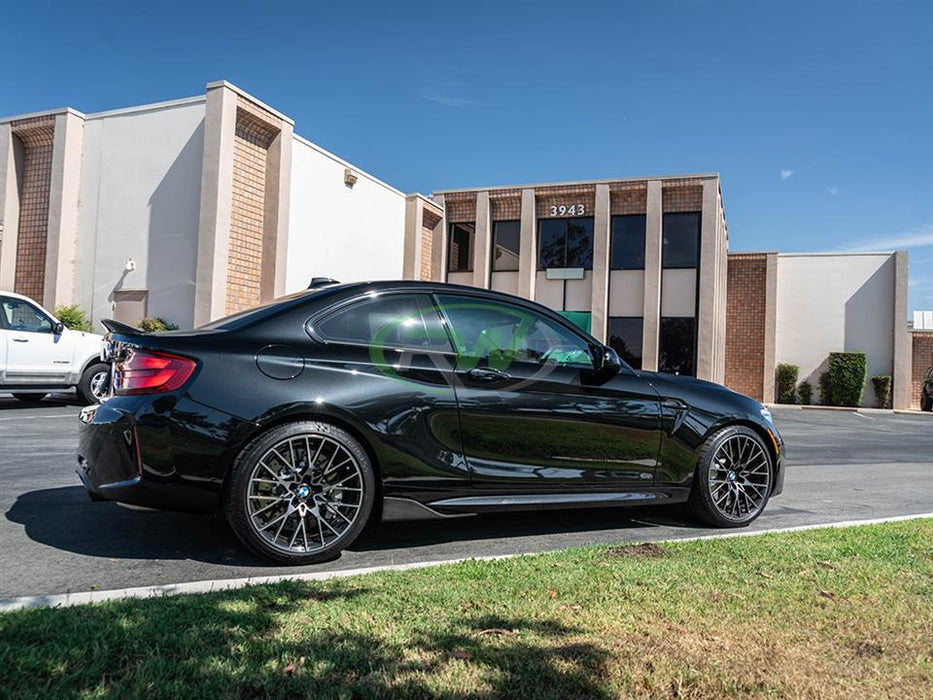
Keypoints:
pixel 497 526
pixel 64 518
pixel 9 402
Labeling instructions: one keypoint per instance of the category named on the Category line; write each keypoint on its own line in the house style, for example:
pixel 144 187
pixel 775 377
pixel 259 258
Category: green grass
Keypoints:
pixel 841 613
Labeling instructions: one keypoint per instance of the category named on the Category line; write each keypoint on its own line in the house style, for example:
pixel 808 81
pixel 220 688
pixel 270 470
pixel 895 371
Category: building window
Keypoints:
pixel 627 246
pixel 681 240
pixel 565 243
pixel 625 335
pixel 460 247
pixel 581 319
pixel 506 243
pixel 677 346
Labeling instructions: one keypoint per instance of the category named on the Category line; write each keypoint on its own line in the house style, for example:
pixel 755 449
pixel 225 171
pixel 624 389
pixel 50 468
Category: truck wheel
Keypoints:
pixel 95 383
pixel 29 398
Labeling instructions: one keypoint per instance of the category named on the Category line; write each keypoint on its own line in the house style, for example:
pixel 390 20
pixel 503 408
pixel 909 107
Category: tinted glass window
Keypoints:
pixel 627 249
pixel 460 248
pixel 625 335
pixel 506 242
pixel 677 346
pixel 394 320
pixel 565 243
pixel 681 240
pixel 502 333
pixel 19 315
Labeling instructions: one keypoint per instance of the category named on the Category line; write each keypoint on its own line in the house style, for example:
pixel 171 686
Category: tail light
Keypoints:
pixel 150 372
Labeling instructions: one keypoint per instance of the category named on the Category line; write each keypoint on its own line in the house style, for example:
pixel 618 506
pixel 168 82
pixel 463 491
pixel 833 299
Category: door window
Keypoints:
pixel 19 315
pixel 393 320
pixel 501 333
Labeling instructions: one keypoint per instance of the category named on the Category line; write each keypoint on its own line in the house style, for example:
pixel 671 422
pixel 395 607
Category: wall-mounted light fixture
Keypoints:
pixel 129 265
pixel 349 177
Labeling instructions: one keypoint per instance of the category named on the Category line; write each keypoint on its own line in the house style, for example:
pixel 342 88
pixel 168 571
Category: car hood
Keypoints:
pixel 673 382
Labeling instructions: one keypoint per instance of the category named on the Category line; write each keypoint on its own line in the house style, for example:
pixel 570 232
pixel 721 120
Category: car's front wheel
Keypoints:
pixel 301 492
pixel 733 478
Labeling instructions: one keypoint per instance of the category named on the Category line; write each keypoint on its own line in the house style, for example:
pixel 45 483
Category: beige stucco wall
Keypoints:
pixel 835 303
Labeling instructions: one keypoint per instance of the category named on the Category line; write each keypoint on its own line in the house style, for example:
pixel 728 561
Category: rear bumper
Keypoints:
pixel 133 451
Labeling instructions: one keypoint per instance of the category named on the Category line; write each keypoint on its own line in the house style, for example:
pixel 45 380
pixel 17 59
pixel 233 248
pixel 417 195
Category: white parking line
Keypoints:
pixel 67 600
pixel 64 415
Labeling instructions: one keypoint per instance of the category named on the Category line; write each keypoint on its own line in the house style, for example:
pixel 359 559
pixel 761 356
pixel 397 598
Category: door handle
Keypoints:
pixel 20 340
pixel 487 375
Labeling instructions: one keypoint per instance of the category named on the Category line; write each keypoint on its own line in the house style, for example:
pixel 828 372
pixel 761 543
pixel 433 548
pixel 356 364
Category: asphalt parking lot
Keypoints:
pixel 842 466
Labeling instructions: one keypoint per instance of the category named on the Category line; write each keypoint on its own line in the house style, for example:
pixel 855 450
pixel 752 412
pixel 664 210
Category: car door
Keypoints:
pixel 35 353
pixel 533 414
pixel 389 360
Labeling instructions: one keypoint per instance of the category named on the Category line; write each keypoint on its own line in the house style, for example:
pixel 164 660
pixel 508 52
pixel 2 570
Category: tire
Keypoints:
pixel 29 398
pixel 89 389
pixel 295 510
pixel 926 402
pixel 733 479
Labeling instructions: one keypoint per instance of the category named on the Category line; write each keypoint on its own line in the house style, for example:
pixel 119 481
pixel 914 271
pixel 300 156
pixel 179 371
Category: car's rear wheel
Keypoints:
pixel 94 384
pixel 301 492
pixel 733 479
pixel 29 398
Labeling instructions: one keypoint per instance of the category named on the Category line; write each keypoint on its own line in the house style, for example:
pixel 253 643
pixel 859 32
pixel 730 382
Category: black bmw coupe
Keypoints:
pixel 305 418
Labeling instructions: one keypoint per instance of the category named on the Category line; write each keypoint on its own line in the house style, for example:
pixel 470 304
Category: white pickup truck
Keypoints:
pixel 39 355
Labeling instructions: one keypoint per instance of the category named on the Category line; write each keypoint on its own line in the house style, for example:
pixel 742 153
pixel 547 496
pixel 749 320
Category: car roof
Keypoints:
pixel 348 289
pixel 19 296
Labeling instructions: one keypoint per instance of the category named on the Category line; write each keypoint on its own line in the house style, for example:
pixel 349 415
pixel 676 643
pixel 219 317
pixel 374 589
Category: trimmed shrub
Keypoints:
pixel 882 386
pixel 156 325
pixel 847 374
pixel 787 383
pixel 805 393
pixel 826 397
pixel 73 318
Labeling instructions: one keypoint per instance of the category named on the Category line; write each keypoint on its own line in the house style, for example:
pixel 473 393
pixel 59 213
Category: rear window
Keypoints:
pixel 256 313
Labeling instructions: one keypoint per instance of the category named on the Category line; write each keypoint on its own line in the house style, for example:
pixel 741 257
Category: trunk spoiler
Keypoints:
pixel 121 328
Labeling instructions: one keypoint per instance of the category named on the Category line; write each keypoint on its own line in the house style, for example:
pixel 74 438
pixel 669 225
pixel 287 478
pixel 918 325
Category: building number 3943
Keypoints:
pixel 572 210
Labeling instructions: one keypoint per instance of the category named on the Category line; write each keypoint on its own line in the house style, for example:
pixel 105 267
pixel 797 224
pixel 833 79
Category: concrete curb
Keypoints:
pixel 67 600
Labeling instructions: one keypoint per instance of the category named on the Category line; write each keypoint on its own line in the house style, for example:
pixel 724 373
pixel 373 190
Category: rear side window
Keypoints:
pixel 392 320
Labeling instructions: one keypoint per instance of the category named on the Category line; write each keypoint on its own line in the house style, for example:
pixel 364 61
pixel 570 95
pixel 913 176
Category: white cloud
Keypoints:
pixel 833 190
pixel 449 101
pixel 915 238
pixel 787 174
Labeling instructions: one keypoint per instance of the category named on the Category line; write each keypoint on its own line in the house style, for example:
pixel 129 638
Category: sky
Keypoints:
pixel 817 115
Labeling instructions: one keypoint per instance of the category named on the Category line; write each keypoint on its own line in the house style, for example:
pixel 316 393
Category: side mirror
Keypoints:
pixel 608 362
pixel 58 328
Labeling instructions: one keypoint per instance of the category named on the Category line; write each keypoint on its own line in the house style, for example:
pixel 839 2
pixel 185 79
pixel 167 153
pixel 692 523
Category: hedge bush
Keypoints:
pixel 805 393
pixel 73 318
pixel 847 374
pixel 155 325
pixel 787 383
pixel 826 398
pixel 882 385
